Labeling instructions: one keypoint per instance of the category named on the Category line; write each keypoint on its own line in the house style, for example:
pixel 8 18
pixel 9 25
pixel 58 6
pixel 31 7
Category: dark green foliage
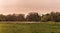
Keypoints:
pixel 2 17
pixel 33 16
pixel 11 17
pixel 20 17
pixel 45 17
pixel 53 16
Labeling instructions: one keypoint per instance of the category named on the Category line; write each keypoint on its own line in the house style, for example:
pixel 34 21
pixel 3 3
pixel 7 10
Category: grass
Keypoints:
pixel 44 27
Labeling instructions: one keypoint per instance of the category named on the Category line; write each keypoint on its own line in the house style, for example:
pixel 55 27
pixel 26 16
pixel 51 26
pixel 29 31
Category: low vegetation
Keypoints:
pixel 43 27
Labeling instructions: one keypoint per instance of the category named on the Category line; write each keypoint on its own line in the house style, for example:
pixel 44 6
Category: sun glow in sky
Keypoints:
pixel 26 6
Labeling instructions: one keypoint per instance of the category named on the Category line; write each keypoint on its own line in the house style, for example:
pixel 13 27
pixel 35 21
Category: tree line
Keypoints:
pixel 32 16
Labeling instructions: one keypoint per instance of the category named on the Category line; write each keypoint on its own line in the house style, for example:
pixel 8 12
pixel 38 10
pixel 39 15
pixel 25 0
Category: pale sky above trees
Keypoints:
pixel 26 6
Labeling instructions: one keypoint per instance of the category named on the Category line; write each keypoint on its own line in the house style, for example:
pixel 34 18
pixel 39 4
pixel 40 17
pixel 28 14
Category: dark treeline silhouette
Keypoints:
pixel 53 16
pixel 32 16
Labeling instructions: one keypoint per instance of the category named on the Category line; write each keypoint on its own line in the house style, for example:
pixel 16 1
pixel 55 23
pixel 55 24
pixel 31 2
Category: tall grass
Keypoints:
pixel 45 27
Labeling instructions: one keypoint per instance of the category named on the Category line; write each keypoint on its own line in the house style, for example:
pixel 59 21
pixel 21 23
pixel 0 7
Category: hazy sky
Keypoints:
pixel 26 6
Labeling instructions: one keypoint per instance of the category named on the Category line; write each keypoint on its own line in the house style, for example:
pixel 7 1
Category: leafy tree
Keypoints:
pixel 21 17
pixel 11 17
pixel 2 17
pixel 45 17
pixel 33 16
pixel 55 16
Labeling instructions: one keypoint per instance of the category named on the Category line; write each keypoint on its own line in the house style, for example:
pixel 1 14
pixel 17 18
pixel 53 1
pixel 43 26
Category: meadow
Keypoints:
pixel 42 27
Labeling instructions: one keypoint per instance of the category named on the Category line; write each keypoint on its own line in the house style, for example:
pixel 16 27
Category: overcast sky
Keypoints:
pixel 26 6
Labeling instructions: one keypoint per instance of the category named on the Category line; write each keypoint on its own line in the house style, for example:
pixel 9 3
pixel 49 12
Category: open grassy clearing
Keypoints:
pixel 43 27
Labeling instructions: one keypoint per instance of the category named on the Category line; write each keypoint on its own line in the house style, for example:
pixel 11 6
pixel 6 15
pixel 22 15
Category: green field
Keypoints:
pixel 44 27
